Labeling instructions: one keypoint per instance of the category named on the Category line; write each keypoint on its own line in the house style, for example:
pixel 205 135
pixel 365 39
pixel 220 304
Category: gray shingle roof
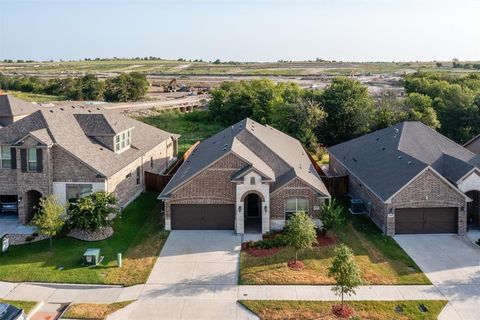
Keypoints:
pixel 61 126
pixel 271 152
pixel 11 106
pixel 387 159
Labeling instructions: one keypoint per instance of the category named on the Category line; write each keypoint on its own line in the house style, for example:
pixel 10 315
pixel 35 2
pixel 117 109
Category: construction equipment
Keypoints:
pixel 172 86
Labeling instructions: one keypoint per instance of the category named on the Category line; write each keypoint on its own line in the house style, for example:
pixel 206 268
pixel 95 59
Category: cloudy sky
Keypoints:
pixel 241 30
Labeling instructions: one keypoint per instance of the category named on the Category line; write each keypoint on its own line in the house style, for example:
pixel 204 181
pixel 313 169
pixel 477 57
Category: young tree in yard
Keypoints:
pixel 300 232
pixel 48 218
pixel 345 272
pixel 91 212
pixel 332 215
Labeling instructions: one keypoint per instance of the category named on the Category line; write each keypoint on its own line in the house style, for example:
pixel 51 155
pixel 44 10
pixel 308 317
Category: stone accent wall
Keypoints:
pixel 375 207
pixel 294 188
pixel 212 186
pixel 430 191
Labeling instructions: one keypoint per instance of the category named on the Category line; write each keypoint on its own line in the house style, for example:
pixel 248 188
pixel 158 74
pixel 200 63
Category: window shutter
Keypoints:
pixel 13 154
pixel 39 160
pixel 23 159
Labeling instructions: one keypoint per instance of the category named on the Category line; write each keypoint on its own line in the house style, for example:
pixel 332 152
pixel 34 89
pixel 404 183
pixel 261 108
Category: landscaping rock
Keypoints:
pixel 87 235
pixel 17 239
pixel 295 265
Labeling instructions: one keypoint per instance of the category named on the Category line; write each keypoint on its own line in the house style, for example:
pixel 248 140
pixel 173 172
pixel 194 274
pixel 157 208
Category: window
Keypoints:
pixel 32 159
pixel 138 175
pixel 5 157
pixel 294 205
pixel 77 191
pixel 252 181
pixel 123 140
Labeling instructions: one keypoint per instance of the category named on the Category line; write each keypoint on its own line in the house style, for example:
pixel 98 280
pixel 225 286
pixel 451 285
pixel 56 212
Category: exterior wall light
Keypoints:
pixel 239 208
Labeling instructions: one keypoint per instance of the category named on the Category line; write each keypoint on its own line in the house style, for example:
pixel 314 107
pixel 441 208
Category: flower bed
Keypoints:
pixel 325 240
pixel 87 235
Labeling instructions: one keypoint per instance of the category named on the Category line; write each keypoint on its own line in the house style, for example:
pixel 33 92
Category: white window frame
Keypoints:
pixel 289 212
pixel 122 140
pixel 79 186
pixel 7 158
pixel 32 164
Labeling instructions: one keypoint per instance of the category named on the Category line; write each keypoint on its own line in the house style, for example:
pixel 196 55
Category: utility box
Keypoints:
pixel 357 207
pixel 92 256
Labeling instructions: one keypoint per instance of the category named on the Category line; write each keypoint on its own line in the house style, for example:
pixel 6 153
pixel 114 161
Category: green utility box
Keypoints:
pixel 92 256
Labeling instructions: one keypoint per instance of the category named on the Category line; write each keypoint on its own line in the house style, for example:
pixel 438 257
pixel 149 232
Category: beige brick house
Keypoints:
pixel 249 177
pixel 411 179
pixel 72 151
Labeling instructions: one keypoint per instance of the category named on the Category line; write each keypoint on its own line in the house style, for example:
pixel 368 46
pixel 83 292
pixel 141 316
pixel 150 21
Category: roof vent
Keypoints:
pixel 399 157
pixel 51 111
pixel 396 130
pixel 61 109
pixel 98 109
pixel 410 163
pixel 378 138
pixel 90 111
pixel 383 148
pixel 73 107
pixel 354 159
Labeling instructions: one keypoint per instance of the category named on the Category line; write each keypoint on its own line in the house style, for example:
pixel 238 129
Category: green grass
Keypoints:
pixel 190 126
pixel 139 236
pixel 372 310
pixel 34 97
pixel 380 258
pixel 92 311
pixel 27 306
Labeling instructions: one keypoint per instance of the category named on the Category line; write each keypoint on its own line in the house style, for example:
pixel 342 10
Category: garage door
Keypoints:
pixel 202 216
pixel 426 220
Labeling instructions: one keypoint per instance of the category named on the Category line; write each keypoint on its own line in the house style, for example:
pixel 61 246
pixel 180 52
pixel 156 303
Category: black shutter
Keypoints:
pixel 23 159
pixel 13 155
pixel 39 160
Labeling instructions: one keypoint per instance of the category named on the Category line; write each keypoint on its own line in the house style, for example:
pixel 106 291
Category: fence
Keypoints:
pixel 337 186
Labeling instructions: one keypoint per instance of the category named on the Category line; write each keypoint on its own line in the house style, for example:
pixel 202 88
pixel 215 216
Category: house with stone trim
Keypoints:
pixel 249 177
pixel 411 179
pixel 72 151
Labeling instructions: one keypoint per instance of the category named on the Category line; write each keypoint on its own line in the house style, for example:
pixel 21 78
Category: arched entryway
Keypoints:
pixel 473 209
pixel 253 213
pixel 31 200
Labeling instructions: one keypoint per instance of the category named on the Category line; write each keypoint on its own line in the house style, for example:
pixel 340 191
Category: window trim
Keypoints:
pixel 78 186
pixel 9 157
pixel 122 140
pixel 31 162
pixel 288 213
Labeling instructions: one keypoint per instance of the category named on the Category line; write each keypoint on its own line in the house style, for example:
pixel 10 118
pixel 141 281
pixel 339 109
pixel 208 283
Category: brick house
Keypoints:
pixel 248 177
pixel 411 179
pixel 72 151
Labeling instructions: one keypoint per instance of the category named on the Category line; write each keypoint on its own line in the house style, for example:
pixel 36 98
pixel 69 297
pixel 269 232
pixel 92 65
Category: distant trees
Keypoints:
pixel 125 87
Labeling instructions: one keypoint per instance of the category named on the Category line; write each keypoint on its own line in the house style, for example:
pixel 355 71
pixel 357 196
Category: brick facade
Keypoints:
pixel 426 191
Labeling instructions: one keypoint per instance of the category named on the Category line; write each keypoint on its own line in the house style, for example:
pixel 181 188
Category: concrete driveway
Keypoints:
pixel 195 277
pixel 452 263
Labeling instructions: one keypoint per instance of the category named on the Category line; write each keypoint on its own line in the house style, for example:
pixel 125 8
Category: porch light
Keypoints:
pixel 239 208
pixel 266 208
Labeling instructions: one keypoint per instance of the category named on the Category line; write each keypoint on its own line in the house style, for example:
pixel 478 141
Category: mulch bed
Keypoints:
pixel 345 312
pixel 295 265
pixel 259 253
pixel 325 240
pixel 17 239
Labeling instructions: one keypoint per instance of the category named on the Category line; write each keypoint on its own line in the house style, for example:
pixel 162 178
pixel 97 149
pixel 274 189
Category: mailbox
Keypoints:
pixel 92 256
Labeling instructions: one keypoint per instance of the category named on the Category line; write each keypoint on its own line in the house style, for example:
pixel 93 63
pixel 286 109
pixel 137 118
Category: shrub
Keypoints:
pixel 276 242
pixel 91 212
pixel 300 232
pixel 332 215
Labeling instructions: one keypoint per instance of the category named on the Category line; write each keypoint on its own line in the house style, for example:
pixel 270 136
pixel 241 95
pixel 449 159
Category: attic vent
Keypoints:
pixel 73 107
pixel 396 130
pixel 410 163
pixel 51 111
pixel 354 159
pixel 399 157
pixel 61 109
pixel 98 109
pixel 377 139
pixel 383 148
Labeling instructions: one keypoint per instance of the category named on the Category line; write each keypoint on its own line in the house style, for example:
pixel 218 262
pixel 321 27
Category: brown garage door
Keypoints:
pixel 202 216
pixel 426 220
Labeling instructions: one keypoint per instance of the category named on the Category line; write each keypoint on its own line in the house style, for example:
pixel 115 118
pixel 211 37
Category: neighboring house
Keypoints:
pixel 13 109
pixel 474 145
pixel 412 179
pixel 73 151
pixel 249 177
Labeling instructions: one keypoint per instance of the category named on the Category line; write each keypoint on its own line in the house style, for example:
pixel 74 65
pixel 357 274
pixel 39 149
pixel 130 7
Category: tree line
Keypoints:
pixel 345 109
pixel 125 87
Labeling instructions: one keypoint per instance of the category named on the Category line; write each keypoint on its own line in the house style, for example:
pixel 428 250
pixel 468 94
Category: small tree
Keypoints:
pixel 332 215
pixel 91 212
pixel 345 271
pixel 48 218
pixel 300 232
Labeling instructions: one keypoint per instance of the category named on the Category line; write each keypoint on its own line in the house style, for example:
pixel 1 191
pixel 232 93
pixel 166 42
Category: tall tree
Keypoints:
pixel 349 110
pixel 419 107
pixel 300 232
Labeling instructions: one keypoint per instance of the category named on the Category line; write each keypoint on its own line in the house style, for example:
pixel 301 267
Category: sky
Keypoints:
pixel 241 30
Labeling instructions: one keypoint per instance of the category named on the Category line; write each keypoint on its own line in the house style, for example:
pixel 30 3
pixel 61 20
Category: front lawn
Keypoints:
pixel 92 311
pixel 380 258
pixel 139 236
pixel 27 306
pixel 372 310
pixel 192 126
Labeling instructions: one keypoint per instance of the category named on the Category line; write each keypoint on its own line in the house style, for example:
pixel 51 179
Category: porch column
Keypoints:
pixel 240 228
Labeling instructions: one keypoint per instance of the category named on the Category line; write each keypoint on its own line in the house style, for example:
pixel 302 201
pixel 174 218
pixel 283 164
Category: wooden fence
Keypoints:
pixel 337 186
